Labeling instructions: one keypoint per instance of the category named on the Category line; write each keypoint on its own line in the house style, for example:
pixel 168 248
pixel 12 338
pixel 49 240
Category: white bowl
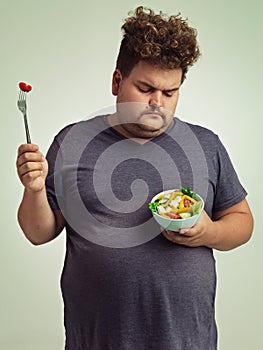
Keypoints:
pixel 176 224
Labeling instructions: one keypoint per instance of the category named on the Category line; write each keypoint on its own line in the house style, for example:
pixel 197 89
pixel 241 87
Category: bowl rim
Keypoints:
pixel 170 219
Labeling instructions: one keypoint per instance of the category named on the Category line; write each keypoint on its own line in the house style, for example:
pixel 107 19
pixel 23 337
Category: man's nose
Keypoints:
pixel 156 99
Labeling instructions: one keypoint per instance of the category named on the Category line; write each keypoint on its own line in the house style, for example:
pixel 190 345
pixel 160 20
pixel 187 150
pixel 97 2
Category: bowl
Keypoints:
pixel 177 224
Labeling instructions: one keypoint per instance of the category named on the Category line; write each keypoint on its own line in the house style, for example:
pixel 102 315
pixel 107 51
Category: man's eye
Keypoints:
pixel 145 91
pixel 168 93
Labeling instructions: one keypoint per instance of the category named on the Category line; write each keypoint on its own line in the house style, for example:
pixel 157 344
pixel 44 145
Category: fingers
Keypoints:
pixel 167 235
pixel 187 238
pixel 198 235
pixel 29 157
pixel 27 147
pixel 185 231
pixel 31 167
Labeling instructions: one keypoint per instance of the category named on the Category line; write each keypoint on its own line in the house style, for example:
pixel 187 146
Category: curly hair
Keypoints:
pixel 168 42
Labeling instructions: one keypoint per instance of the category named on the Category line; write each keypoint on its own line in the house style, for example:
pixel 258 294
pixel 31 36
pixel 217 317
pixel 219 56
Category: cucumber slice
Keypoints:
pixel 185 215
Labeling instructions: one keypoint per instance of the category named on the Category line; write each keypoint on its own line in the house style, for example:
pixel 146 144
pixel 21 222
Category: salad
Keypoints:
pixel 177 204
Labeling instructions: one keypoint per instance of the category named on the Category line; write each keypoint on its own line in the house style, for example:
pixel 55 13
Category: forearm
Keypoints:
pixel 36 218
pixel 231 231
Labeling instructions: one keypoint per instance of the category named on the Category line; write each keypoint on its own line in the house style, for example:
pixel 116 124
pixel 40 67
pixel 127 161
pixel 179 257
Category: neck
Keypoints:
pixel 114 123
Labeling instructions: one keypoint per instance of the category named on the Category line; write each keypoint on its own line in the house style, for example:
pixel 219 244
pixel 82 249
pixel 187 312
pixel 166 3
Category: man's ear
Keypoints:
pixel 116 81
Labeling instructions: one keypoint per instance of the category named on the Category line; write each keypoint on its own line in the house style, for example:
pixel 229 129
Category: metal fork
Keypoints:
pixel 21 104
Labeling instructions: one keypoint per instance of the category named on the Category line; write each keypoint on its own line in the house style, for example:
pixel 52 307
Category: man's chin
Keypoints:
pixel 147 131
pixel 149 127
pixel 152 121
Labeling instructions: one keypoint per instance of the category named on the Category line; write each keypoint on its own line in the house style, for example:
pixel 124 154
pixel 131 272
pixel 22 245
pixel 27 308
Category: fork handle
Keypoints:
pixel 28 138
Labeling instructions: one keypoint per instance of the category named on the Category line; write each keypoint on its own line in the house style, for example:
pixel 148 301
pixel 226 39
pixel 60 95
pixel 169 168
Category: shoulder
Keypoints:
pixel 78 129
pixel 207 138
pixel 203 132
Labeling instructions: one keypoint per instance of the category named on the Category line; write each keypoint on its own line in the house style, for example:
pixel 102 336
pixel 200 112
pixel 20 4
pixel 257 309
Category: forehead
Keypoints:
pixel 156 76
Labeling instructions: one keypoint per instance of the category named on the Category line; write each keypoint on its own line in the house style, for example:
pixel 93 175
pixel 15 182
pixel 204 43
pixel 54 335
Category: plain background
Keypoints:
pixel 67 51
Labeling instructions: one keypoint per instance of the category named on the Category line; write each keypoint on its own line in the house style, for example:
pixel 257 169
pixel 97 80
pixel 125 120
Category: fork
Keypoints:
pixel 21 104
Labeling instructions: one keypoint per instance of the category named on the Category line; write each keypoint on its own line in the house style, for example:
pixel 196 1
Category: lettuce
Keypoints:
pixel 153 205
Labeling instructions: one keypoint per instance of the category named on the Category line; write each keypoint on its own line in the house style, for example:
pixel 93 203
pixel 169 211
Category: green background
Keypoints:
pixel 67 51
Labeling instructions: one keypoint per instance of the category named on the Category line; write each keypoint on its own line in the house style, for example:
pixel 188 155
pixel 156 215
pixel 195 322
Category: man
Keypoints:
pixel 126 283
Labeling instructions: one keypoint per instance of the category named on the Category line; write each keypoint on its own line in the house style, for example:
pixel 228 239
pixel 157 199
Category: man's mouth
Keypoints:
pixel 153 114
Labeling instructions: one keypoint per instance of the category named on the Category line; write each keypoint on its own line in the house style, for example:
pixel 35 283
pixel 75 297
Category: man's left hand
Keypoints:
pixel 201 234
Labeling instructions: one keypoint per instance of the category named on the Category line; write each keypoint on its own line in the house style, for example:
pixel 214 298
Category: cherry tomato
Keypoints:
pixel 25 87
pixel 187 202
pixel 173 215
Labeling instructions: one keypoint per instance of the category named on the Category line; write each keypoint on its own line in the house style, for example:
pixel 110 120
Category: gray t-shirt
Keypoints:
pixel 124 285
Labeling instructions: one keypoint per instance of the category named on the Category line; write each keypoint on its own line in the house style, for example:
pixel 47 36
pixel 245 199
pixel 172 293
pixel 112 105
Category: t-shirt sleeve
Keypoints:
pixel 229 190
pixel 53 180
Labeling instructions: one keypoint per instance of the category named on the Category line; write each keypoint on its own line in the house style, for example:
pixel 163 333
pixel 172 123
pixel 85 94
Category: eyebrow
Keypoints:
pixel 140 82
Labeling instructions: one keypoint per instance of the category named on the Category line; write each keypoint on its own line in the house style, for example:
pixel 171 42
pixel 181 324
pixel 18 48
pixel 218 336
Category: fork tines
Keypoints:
pixel 22 96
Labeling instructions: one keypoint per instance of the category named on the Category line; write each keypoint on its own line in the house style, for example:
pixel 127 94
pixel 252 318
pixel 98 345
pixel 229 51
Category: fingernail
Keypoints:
pixel 183 231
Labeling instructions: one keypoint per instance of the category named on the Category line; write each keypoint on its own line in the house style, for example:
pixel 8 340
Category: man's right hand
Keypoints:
pixel 32 167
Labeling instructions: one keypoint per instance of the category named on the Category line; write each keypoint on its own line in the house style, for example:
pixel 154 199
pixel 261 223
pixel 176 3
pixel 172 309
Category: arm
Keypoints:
pixel 231 228
pixel 37 220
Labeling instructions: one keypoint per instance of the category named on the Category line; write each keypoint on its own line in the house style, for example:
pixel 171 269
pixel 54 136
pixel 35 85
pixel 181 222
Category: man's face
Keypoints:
pixel 146 99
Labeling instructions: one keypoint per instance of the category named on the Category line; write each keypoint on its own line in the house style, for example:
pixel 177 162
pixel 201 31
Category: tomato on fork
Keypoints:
pixel 25 87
